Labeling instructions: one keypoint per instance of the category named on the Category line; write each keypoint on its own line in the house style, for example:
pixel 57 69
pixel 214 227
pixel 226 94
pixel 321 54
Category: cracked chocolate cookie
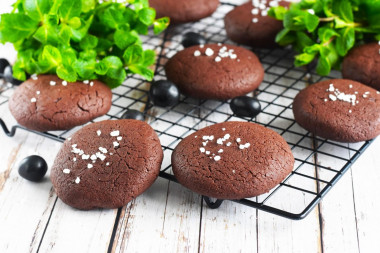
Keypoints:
pixel 47 103
pixel 107 164
pixel 340 110
pixel 232 160
pixel 362 64
pixel 249 24
pixel 215 71
pixel 184 11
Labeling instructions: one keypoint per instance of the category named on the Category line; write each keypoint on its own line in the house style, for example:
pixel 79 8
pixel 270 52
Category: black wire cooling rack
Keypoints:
pixel 319 163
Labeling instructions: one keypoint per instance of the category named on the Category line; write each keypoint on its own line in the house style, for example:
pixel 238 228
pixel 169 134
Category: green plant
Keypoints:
pixel 327 29
pixel 81 39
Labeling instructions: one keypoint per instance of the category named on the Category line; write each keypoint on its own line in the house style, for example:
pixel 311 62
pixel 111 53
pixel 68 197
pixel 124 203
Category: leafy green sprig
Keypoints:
pixel 81 39
pixel 327 29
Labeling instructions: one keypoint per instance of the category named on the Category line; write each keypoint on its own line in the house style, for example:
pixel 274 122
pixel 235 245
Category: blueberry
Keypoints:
pixel 245 106
pixel 8 76
pixel 193 39
pixel 33 168
pixel 133 114
pixel 164 93
pixel 3 64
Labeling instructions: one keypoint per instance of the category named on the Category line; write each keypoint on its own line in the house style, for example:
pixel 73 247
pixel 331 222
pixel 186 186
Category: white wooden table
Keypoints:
pixel 170 218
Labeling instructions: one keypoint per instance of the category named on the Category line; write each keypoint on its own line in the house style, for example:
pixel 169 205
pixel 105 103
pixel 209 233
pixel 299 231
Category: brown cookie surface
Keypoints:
pixel 340 110
pixel 215 71
pixel 184 11
pixel 107 164
pixel 48 103
pixel 249 24
pixel 362 64
pixel 232 160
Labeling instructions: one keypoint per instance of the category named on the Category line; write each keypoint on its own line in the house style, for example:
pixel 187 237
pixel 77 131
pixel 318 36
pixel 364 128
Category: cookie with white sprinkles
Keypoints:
pixel 45 102
pixel 107 164
pixel 183 11
pixel 249 24
pixel 232 160
pixel 215 71
pixel 340 110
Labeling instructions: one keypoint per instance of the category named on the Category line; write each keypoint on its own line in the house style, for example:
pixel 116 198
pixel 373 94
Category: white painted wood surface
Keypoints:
pixel 170 218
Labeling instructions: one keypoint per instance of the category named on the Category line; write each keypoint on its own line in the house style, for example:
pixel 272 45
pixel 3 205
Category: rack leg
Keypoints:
pixel 213 205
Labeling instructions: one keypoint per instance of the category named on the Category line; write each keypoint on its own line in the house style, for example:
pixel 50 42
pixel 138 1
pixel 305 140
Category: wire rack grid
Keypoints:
pixel 319 163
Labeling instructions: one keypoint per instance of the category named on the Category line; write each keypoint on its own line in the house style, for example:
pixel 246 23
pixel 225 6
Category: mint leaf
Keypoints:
pixel 142 71
pixel 16 27
pixel 51 55
pixel 36 8
pixel 343 9
pixel 124 38
pixel 88 42
pixel 147 16
pixel 149 57
pixel 67 73
pixel 345 41
pixel 160 24
pixel 69 9
pixel 133 55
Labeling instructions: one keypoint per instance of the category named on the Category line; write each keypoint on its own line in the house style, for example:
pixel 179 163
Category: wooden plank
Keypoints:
pixel 166 217
pixel 366 178
pixel 72 230
pixel 24 206
pixel 337 209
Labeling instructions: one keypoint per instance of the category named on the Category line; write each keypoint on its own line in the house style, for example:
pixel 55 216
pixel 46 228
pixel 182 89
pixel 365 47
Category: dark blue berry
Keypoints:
pixel 245 106
pixel 193 39
pixel 33 168
pixel 164 93
pixel 133 114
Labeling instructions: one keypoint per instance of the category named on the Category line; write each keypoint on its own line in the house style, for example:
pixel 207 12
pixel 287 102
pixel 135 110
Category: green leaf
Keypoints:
pixel 112 17
pixel 124 38
pixel 88 42
pixel 142 71
pixel 65 34
pixel 46 35
pixel 277 12
pixel 116 79
pixel 51 55
pixel 303 40
pixel 345 41
pixel 101 68
pixel 85 69
pixel 88 5
pixel 36 9
pixel 286 37
pixel 147 16
pixel 323 66
pixel 343 9
pixel 160 24
pixel 326 33
pixel 311 22
pixel 133 55
pixel 16 27
pixel 69 9
pixel 149 58
pixel 75 22
pixel 67 73
pixel 113 62
pixel 303 59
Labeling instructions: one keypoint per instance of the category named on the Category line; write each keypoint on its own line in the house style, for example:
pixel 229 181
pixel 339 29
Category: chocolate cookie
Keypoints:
pixel 184 11
pixel 107 164
pixel 232 160
pixel 340 110
pixel 249 24
pixel 215 71
pixel 362 64
pixel 47 103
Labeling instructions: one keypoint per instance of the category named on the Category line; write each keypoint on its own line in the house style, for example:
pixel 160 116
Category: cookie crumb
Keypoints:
pixel 89 166
pixel 98 132
pixel 64 83
pixel 197 53
pixel 217 158
pixel 77 180
pixel 220 151
pixel 66 171
pixel 202 150
pixel 52 83
pixel 86 81
pixel 115 144
pixel 33 100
